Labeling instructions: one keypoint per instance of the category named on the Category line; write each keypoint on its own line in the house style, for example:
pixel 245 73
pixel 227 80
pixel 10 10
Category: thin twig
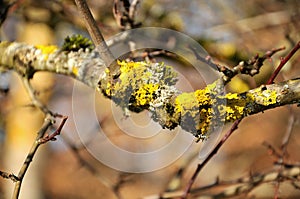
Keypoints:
pixel 35 102
pixel 51 137
pixel 238 186
pixel 283 62
pixel 10 176
pixel 97 37
pixel 210 155
pixel 250 67
pixel 49 120
pixel 40 139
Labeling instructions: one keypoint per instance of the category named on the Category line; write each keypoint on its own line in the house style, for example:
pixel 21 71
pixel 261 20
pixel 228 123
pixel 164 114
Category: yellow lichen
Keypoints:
pixel 126 67
pixel 137 84
pixel 140 85
pixel 230 96
pixel 145 94
pixel 267 97
pixel 46 50
pixel 233 108
pixel 195 110
pixel 75 71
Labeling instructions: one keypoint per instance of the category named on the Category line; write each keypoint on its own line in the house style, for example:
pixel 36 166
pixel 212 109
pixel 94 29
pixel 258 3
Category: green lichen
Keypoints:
pixel 76 42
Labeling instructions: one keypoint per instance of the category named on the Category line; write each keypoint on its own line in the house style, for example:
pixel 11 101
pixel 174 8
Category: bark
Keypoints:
pixel 150 86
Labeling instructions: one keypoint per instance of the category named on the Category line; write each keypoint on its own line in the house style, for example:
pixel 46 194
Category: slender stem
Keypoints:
pixel 283 62
pixel 55 133
pixel 48 122
pixel 10 176
pixel 210 155
pixel 97 37
pixel 37 103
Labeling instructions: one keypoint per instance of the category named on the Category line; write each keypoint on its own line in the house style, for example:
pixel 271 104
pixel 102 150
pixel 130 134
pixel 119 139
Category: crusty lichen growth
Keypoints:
pixel 83 64
pixel 138 84
pixel 196 110
pixel 47 50
pixel 202 111
pixel 151 86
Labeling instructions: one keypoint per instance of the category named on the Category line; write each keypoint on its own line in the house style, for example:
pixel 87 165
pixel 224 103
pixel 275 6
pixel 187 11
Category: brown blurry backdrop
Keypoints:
pixel 229 30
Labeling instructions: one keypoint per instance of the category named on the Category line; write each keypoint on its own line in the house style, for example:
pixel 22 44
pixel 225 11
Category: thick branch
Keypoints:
pixel 151 86
pixel 84 64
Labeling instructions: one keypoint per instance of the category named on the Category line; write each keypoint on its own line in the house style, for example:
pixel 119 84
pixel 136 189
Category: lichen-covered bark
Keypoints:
pixel 83 64
pixel 150 86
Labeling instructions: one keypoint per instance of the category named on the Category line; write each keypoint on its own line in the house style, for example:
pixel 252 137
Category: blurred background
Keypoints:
pixel 229 30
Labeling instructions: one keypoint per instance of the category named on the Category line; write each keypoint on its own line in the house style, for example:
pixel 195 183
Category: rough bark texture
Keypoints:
pixel 150 86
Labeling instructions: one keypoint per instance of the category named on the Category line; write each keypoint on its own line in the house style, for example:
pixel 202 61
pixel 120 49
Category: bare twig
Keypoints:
pixel 55 133
pixel 35 102
pixel 283 62
pixel 97 37
pixel 10 176
pixel 248 183
pixel 210 155
pixel 49 120
pixel 149 54
pixel 250 67
pixel 40 139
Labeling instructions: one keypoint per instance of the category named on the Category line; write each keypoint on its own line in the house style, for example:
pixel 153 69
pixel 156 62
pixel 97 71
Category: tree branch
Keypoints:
pixel 238 121
pixel 151 86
